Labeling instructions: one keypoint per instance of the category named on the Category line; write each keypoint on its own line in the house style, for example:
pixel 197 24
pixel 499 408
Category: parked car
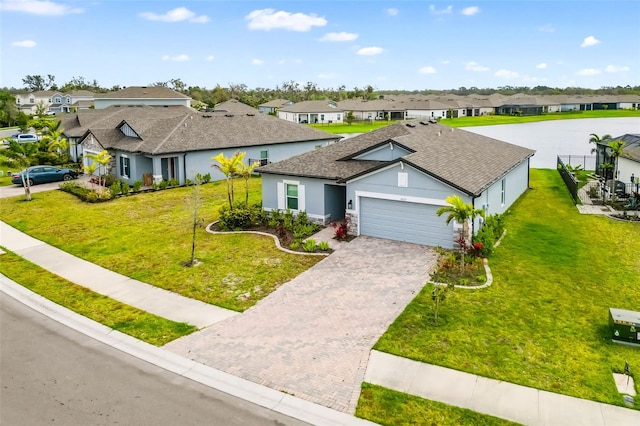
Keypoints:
pixel 44 174
pixel 25 137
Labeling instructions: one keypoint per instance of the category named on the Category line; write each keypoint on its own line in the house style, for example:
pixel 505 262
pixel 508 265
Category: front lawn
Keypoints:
pixel 544 321
pixel 490 120
pixel 148 237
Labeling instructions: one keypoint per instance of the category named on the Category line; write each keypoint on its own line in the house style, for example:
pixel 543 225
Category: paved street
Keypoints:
pixel 312 337
pixel 15 190
pixel 51 374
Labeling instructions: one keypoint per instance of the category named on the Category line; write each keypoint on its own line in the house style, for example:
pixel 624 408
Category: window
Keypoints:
pixel 32 101
pixel 339 117
pixel 68 99
pixel 503 196
pixel 264 158
pixel 292 196
pixel 321 117
pixel 124 166
pixel 58 99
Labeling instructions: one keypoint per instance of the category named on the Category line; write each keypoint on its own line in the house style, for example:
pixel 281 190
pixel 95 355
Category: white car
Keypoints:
pixel 25 137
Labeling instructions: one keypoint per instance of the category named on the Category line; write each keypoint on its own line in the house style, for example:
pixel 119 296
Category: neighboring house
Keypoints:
pixel 390 182
pixel 176 142
pixel 28 102
pixel 142 95
pixel 312 112
pixel 54 102
pixel 378 109
pixel 273 106
pixel 628 162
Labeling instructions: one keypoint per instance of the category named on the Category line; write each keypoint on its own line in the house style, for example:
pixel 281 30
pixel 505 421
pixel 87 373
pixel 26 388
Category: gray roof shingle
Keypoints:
pixel 462 159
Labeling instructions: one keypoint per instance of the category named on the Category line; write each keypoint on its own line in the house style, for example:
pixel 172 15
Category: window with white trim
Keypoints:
pixel 291 196
pixel 125 166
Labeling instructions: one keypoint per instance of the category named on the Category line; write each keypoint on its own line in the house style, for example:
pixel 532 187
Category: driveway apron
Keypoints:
pixel 312 337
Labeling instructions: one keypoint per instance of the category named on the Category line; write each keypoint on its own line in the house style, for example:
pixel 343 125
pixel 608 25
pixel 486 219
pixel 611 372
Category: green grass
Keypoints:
pixel 148 237
pixel 544 321
pixel 388 407
pixel 118 316
pixel 338 128
pixel 490 120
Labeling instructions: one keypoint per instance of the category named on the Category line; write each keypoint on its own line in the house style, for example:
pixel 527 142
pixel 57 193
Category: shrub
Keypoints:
pixel 303 218
pixel 238 218
pixel 206 178
pixel 173 182
pixel 115 188
pixel 288 220
pixel 323 245
pixel 309 245
pixel 137 185
pixel 188 182
pixel 163 184
pixel 342 231
pixel 275 218
pixel 125 188
pixel 92 197
pixel 294 245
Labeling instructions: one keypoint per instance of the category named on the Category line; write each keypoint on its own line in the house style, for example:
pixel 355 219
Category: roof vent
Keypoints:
pixel 439 132
pixel 424 123
pixel 228 115
pixel 410 125
pixel 250 114
pixel 206 116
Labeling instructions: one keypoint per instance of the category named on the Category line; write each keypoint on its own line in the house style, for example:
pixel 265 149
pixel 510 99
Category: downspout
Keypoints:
pixel 184 168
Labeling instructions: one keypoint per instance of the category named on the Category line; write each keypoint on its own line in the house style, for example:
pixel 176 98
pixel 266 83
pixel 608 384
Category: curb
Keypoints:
pixel 251 392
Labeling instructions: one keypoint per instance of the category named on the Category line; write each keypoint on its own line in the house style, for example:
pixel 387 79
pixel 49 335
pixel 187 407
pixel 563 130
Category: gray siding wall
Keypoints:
pixel 384 153
pixel 201 162
pixel 386 181
pixel 314 194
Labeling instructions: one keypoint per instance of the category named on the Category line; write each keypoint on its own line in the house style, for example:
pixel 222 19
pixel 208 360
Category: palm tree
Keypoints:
pixel 100 162
pixel 229 168
pixel 54 141
pixel 595 139
pixel 616 150
pixel 18 156
pixel 245 172
pixel 462 213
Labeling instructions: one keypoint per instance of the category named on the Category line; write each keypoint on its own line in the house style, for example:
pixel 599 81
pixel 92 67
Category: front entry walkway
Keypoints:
pixel 312 337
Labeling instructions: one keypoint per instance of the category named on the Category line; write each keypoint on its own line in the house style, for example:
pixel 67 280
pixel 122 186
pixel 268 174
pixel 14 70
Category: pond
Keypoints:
pixel 560 137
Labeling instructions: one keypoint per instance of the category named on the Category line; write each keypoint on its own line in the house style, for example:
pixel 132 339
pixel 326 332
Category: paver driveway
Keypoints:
pixel 312 337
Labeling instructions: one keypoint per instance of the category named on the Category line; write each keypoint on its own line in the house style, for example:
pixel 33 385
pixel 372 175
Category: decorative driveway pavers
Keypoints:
pixel 311 338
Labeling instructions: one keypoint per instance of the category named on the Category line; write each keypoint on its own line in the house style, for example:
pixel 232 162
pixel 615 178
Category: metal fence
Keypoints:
pixel 587 162
pixel 569 179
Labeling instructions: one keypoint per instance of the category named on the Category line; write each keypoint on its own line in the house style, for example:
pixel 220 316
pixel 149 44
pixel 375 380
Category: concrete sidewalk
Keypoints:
pixel 501 399
pixel 119 287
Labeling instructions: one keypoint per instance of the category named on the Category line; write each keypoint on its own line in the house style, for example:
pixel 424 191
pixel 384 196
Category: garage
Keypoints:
pixel 404 221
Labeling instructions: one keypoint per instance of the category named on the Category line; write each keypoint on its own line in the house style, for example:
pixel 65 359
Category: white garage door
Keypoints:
pixel 404 221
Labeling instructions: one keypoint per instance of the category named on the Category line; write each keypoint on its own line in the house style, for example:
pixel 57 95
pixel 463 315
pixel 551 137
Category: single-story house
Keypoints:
pixel 390 182
pixel 273 106
pixel 312 112
pixel 628 162
pixel 142 95
pixel 176 142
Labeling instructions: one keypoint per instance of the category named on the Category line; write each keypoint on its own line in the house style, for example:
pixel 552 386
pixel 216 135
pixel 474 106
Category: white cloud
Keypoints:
pixel 506 74
pixel 37 7
pixel 445 62
pixel 470 11
pixel 590 41
pixel 177 58
pixel 339 36
pixel 588 72
pixel 541 66
pixel 427 70
pixel 210 58
pixel 269 19
pixel 327 76
pixel 176 15
pixel 548 28
pixel 257 62
pixel 447 10
pixel 474 66
pixel 613 68
pixel 297 61
pixel 24 43
pixel 392 12
pixel 370 51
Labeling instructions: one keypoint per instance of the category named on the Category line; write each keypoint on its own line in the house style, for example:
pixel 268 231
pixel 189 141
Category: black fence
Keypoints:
pixel 569 179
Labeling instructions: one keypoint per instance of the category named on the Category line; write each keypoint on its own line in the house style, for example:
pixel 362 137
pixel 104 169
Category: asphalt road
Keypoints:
pixel 50 374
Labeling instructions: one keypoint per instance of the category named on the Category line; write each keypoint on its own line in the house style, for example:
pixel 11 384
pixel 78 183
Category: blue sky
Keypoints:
pixel 408 45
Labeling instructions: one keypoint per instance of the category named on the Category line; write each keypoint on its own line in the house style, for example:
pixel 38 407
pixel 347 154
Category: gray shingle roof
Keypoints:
pixel 180 129
pixel 143 92
pixel 463 159
pixel 631 148
pixel 311 106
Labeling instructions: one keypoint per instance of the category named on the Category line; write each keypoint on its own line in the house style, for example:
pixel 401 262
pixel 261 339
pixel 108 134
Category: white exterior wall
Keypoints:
pixel 626 168
pixel 426 113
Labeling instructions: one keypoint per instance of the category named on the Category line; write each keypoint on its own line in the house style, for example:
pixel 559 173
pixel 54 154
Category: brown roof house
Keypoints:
pixel 390 182
pixel 176 142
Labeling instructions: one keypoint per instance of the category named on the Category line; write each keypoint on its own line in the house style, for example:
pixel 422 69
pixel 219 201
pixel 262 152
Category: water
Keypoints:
pixel 561 137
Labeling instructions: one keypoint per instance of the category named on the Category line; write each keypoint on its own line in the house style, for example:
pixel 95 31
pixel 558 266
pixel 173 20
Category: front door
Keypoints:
pixel 169 168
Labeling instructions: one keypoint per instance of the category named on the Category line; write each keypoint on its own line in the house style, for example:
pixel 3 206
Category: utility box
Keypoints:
pixel 625 326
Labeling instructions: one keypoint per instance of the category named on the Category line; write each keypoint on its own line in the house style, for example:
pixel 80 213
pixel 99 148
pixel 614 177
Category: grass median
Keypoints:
pixel 111 313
